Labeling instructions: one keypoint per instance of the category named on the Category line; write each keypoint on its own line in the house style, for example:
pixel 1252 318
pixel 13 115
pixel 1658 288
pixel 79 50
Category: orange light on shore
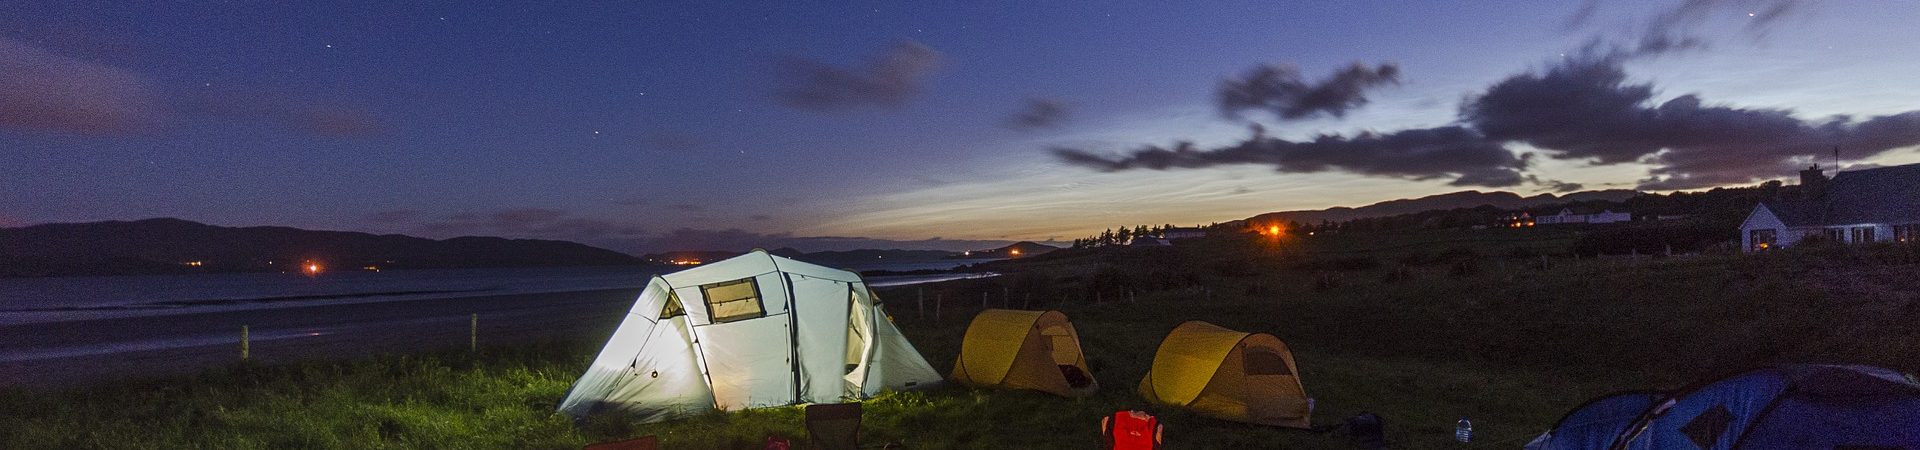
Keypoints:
pixel 313 268
pixel 1273 230
pixel 1014 252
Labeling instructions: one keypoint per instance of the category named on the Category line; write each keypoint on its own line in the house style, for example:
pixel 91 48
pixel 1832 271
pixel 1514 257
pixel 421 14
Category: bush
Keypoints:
pixel 1347 264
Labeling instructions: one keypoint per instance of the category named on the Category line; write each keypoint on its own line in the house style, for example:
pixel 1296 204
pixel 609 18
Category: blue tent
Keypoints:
pixel 1776 407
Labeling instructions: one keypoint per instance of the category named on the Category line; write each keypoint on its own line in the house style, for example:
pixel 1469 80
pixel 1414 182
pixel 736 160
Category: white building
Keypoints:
pixel 1183 233
pixel 1566 216
pixel 1872 205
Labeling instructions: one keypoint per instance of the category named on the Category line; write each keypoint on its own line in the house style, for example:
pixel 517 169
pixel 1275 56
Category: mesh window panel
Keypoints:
pixel 1704 430
pixel 734 300
pixel 673 308
pixel 1260 362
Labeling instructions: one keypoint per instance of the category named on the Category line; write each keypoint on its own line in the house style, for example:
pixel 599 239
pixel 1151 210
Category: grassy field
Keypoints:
pixel 1419 328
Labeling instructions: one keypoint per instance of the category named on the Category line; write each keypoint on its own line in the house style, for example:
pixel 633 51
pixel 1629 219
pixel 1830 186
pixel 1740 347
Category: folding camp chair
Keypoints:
pixel 642 443
pixel 834 426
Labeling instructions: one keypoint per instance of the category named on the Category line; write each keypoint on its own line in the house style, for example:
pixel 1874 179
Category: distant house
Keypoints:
pixel 1147 241
pixel 1872 205
pixel 1517 220
pixel 1183 233
pixel 1566 216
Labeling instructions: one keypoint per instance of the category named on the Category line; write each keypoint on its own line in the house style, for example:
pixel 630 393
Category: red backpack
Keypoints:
pixel 1131 430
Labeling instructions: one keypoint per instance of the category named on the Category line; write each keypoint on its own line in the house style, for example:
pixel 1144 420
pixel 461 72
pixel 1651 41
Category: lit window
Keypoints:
pixel 734 300
pixel 1762 239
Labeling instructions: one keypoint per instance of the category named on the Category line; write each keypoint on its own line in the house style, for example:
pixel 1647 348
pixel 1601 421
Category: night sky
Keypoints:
pixel 651 126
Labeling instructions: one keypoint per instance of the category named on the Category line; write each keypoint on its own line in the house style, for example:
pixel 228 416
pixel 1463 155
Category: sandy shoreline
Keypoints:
pixel 67 354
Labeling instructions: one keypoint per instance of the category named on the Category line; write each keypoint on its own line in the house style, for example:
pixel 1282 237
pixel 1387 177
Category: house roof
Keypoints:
pixel 1879 195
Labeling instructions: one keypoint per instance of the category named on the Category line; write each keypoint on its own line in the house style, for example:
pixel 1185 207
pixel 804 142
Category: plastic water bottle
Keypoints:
pixel 1464 431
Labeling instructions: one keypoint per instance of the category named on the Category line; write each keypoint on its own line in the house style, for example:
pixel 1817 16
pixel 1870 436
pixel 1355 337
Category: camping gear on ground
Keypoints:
pixel 1226 374
pixel 1367 431
pixel 834 426
pixel 775 442
pixel 751 331
pixel 1131 430
pixel 640 443
pixel 1037 350
pixel 1463 430
pixel 1784 406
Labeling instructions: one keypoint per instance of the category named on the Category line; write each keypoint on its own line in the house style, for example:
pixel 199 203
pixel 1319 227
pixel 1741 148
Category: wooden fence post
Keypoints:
pixel 244 343
pixel 473 333
pixel 939 299
pixel 921 299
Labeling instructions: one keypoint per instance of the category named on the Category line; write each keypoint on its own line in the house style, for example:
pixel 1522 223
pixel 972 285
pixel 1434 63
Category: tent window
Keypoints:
pixel 1260 362
pixel 673 308
pixel 734 300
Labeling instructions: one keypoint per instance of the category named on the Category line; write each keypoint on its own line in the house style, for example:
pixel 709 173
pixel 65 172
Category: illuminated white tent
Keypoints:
pixel 751 331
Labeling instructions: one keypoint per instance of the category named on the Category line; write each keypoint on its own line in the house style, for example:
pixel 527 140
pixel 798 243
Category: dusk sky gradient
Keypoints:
pixel 657 125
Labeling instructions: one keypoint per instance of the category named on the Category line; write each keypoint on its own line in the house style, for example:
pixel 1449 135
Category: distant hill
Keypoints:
pixel 1015 250
pixel 161 246
pixel 838 258
pixel 1455 200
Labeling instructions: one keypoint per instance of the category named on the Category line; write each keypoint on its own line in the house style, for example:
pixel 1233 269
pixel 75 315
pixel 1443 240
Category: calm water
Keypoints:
pixel 34 300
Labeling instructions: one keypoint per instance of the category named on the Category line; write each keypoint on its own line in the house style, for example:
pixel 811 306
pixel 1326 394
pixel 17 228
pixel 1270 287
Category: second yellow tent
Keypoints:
pixel 1226 374
pixel 1013 349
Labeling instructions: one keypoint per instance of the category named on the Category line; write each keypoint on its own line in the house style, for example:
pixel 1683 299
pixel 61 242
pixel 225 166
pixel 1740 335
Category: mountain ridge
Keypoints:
pixel 1451 200
pixel 171 245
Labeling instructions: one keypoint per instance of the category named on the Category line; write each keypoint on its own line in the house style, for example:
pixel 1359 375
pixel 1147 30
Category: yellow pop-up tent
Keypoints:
pixel 1013 349
pixel 1226 374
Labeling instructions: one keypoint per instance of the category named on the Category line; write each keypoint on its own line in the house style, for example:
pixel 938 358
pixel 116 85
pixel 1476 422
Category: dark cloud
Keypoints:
pixel 393 216
pixel 896 76
pixel 1582 108
pixel 1281 91
pixel 40 90
pixel 1677 28
pixel 1586 109
pixel 1039 113
pixel 1555 185
pixel 1445 152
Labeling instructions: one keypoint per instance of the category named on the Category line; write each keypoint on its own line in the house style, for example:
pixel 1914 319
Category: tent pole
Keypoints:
pixel 793 335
